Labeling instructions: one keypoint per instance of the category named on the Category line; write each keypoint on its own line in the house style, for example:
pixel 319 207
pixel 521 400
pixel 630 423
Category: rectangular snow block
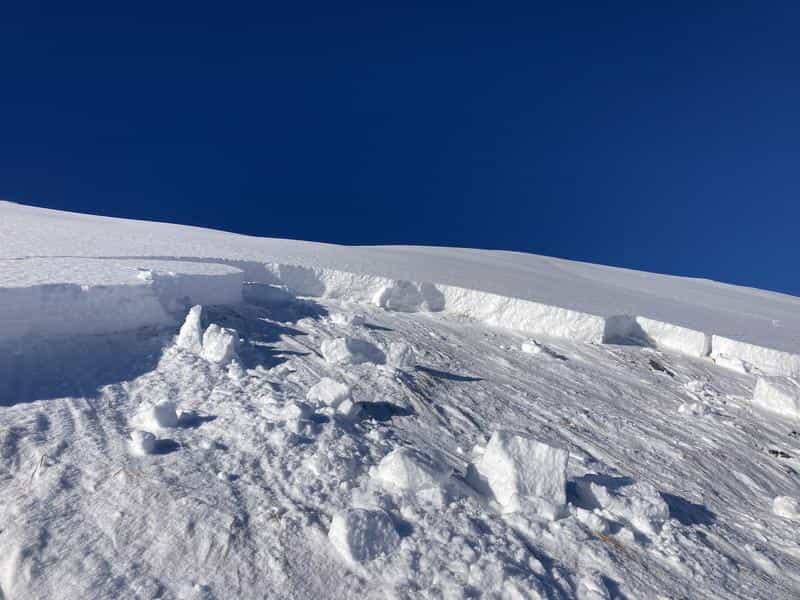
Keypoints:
pixel 780 395
pixel 519 468
pixel 767 360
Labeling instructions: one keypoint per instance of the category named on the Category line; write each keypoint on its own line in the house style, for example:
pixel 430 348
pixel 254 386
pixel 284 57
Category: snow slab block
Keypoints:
pixel 531 347
pixel 401 356
pixel 767 360
pixel 220 344
pixel 351 351
pixel 142 442
pixel 667 336
pixel 786 507
pixel 361 534
pixel 519 468
pixel 638 504
pixel 158 416
pixel 779 395
pixel 523 315
pixel 190 337
pixel 329 392
pixel 406 470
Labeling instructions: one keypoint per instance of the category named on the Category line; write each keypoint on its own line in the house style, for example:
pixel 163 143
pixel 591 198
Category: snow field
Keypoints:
pixel 250 493
pixel 266 486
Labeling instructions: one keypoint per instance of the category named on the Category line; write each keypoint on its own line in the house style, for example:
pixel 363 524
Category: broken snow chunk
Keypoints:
pixel 145 275
pixel 351 351
pixel 190 336
pixel 532 347
pixel 219 344
pixel 638 504
pixel 786 507
pixel 348 409
pixel 329 392
pixel 294 411
pixel 162 416
pixel 401 356
pixel 779 395
pixel 693 409
pixel 407 470
pixel 522 472
pixel 142 442
pixel 592 520
pixel 360 534
pixel 348 320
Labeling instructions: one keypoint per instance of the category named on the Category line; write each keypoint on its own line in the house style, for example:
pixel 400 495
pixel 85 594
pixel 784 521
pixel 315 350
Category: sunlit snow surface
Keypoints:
pixel 670 488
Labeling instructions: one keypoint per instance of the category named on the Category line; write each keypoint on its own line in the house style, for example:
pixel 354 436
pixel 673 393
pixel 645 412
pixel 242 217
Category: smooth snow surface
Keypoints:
pixel 426 423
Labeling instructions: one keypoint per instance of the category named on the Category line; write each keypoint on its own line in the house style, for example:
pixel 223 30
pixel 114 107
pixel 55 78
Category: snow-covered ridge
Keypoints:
pixel 126 294
pixel 54 264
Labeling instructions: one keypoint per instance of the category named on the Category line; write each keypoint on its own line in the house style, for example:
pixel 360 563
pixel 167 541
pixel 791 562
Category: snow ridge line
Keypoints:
pixel 153 295
pixel 529 317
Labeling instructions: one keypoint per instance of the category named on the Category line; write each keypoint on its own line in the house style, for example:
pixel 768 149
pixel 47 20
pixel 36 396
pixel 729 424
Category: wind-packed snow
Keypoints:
pixel 175 422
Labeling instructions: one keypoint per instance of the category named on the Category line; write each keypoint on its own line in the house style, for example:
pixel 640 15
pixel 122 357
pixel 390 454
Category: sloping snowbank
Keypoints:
pixel 102 296
pixel 752 330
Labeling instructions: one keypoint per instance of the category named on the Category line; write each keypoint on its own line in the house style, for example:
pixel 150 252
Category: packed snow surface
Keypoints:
pixel 187 413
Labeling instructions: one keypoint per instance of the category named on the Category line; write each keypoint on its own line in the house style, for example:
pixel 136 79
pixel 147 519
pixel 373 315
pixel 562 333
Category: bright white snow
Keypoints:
pixel 519 469
pixel 330 455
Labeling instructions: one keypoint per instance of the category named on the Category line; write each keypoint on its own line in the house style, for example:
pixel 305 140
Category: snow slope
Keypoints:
pixel 396 432
pixel 521 291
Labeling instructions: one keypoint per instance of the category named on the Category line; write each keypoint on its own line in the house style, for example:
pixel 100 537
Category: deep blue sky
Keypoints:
pixel 657 136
